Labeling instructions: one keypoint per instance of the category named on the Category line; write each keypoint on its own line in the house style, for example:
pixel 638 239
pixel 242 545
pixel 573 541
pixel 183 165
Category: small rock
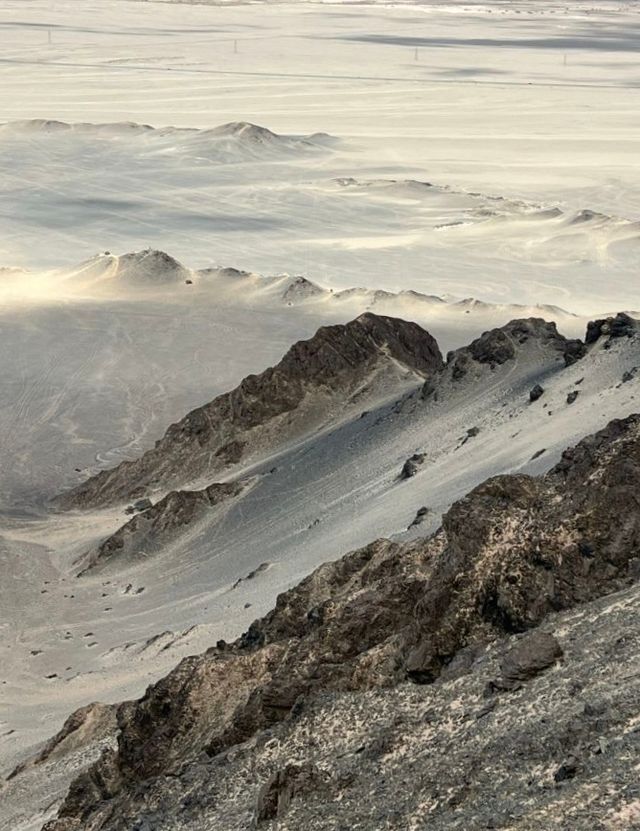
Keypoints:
pixel 572 396
pixel 529 657
pixel 412 465
pixel 567 770
pixel 421 515
pixel 535 393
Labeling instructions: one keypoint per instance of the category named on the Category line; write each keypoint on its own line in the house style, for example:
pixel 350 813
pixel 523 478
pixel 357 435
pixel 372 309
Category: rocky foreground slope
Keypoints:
pixel 310 719
pixel 315 382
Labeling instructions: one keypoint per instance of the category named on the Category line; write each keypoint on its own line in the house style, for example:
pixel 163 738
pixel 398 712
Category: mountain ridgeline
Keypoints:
pixel 316 382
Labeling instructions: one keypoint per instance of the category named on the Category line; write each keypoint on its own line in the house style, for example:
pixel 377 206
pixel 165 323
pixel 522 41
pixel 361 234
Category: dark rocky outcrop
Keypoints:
pixel 513 552
pixel 276 794
pixel 299 393
pixel 518 548
pixel 412 465
pixel 497 346
pixel 621 325
pixel 534 653
pixel 155 525
pixel 535 393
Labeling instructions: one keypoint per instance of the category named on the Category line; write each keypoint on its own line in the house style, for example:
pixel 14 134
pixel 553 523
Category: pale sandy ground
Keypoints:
pixel 537 103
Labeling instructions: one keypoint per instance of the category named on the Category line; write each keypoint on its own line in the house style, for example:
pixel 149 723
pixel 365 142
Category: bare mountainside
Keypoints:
pixel 317 381
pixel 509 402
pixel 507 558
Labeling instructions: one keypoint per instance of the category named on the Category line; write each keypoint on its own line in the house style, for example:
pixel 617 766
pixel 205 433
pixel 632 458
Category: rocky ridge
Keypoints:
pixel 339 366
pixel 155 526
pixel 511 555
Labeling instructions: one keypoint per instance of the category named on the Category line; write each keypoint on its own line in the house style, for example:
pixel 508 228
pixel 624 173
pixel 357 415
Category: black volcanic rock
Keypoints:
pixel 497 346
pixel 536 392
pixel 328 368
pixel 508 556
pixel 620 326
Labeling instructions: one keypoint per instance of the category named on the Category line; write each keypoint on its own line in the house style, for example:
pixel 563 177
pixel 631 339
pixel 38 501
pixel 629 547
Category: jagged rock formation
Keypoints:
pixel 620 326
pixel 315 379
pixel 156 525
pixel 500 345
pixel 509 556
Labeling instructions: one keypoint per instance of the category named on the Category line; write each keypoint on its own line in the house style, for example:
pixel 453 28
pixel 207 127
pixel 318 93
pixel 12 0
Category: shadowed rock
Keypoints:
pixel 620 326
pixel 534 653
pixel 536 392
pixel 276 794
pixel 412 465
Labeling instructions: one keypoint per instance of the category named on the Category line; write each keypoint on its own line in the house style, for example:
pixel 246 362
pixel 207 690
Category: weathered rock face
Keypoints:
pixel 518 547
pixel 336 363
pixel 535 653
pixel 514 551
pixel 500 345
pixel 286 784
pixel 158 523
pixel 88 724
pixel 620 326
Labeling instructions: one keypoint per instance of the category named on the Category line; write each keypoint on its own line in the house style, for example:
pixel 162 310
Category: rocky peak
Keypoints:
pixel 503 344
pixel 301 289
pixel 339 349
pixel 335 364
pixel 150 267
pixel 500 345
pixel 621 325
pixel 246 131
